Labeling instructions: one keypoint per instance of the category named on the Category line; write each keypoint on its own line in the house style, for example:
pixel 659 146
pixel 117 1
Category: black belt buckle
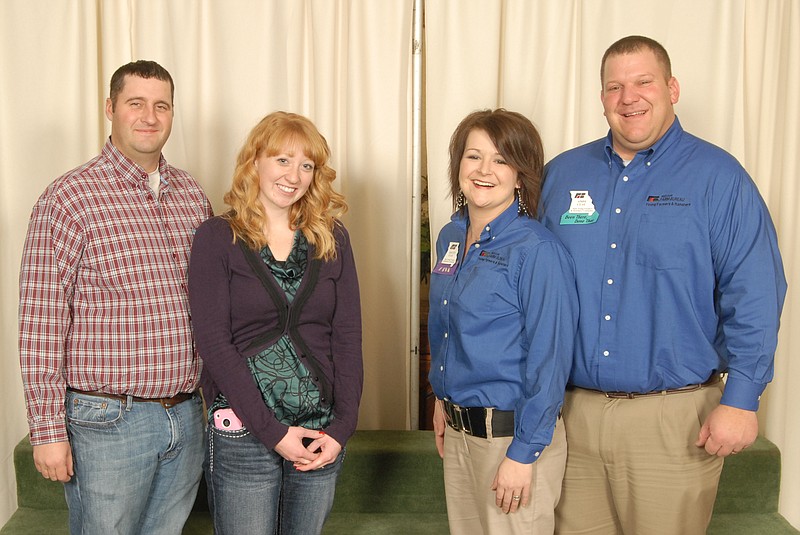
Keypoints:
pixel 464 421
pixel 455 417
pixel 458 417
pixel 470 420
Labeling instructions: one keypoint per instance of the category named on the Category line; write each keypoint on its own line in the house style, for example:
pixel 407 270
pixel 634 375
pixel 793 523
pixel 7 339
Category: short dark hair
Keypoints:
pixel 635 43
pixel 517 141
pixel 143 69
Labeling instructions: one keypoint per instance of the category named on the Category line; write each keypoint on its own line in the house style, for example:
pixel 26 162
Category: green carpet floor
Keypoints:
pixel 391 484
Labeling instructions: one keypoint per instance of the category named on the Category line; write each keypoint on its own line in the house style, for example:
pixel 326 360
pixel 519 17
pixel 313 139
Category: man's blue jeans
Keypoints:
pixel 253 490
pixel 137 465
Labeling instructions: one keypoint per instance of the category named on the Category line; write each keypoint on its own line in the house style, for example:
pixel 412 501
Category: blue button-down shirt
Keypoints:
pixel 678 268
pixel 502 325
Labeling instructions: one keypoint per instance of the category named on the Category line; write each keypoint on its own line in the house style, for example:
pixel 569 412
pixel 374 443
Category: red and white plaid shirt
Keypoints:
pixel 103 301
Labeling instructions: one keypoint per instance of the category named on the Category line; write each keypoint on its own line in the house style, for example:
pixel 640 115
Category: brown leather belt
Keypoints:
pixel 472 420
pixel 167 403
pixel 714 379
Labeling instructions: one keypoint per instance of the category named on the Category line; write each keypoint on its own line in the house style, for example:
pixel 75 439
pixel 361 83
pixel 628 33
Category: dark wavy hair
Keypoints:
pixel 517 141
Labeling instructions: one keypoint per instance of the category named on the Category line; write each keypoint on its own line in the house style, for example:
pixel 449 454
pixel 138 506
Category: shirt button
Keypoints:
pixel 606 353
pixel 477 245
pixel 537 453
pixel 445 301
pixel 610 281
pixel 613 245
pixel 607 317
pixel 618 210
pixel 441 368
pixel 488 228
pixel 445 335
pixel 648 164
pixel 624 179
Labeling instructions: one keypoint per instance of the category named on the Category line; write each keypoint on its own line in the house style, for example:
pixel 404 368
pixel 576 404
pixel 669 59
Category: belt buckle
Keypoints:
pixel 466 425
pixel 620 395
pixel 456 416
pixel 173 401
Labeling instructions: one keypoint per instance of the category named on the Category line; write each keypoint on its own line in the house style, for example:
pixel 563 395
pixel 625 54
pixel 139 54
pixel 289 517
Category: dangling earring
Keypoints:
pixel 523 208
pixel 461 201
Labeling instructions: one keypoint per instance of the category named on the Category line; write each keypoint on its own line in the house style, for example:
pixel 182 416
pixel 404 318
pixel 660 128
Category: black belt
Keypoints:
pixel 714 379
pixel 472 420
pixel 167 403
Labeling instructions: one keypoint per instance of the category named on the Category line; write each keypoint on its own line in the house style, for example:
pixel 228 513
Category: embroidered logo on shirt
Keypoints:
pixel 581 209
pixel 494 258
pixel 667 200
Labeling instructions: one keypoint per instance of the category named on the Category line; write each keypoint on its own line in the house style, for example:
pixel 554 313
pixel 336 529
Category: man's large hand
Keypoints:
pixel 54 461
pixel 728 430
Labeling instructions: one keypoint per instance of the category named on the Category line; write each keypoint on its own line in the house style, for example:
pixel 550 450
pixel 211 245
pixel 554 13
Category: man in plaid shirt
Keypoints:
pixel 106 351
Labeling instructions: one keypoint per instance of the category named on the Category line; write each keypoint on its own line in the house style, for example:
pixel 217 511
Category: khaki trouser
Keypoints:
pixel 470 465
pixel 633 467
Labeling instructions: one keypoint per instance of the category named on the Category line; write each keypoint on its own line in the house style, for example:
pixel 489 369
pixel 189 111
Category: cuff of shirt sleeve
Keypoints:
pixel 742 394
pixel 524 453
pixel 340 433
pixel 47 431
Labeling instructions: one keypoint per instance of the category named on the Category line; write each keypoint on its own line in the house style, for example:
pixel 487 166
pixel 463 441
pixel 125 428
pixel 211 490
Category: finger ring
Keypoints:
pixel 515 498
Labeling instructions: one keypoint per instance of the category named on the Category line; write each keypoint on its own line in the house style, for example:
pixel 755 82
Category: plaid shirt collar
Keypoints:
pixel 133 172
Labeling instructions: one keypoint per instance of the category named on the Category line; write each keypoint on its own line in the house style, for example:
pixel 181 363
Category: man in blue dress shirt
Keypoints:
pixel 680 280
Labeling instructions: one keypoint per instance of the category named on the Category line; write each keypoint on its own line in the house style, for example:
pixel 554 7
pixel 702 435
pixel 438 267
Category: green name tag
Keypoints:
pixel 579 219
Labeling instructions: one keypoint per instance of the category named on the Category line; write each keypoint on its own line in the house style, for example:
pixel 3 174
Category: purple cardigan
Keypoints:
pixel 234 317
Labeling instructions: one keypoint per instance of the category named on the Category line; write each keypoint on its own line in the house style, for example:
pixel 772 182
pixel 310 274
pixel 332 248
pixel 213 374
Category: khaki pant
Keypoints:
pixel 632 465
pixel 470 465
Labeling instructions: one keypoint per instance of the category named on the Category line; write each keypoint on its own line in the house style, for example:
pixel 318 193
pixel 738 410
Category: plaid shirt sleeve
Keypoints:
pixel 53 247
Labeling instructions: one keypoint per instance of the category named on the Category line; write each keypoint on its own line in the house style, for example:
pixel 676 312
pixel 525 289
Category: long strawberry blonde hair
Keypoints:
pixel 315 213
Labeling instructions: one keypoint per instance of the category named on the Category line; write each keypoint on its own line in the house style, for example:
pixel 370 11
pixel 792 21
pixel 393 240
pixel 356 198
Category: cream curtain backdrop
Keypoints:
pixel 345 64
pixel 738 62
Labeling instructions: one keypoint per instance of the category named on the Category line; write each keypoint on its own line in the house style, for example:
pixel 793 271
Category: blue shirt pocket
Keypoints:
pixel 661 242
pixel 480 288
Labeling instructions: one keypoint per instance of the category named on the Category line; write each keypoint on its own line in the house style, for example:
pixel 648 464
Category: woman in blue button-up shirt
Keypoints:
pixel 502 324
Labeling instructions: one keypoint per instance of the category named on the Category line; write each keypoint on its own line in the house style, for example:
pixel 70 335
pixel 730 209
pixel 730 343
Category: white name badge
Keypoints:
pixel 447 265
pixel 581 209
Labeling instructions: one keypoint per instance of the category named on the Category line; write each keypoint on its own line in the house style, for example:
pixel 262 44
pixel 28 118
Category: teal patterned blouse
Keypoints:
pixel 283 380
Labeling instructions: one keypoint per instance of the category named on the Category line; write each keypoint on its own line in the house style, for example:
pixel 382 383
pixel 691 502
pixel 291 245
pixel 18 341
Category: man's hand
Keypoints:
pixel 54 461
pixel 728 430
pixel 438 426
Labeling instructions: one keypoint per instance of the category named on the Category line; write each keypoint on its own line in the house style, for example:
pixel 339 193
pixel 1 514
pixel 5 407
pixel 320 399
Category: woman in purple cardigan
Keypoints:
pixel 277 321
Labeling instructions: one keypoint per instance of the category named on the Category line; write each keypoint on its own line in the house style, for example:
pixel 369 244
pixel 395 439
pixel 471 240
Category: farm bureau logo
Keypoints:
pixel 667 200
pixel 494 258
